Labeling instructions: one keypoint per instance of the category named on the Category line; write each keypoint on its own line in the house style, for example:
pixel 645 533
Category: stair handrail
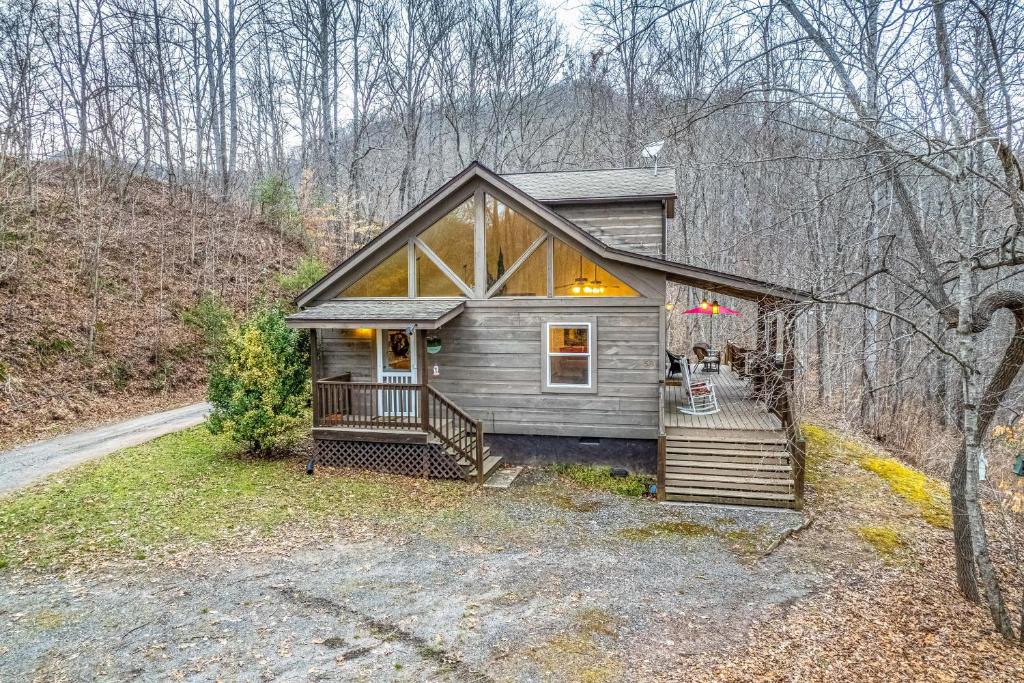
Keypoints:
pixel 464 435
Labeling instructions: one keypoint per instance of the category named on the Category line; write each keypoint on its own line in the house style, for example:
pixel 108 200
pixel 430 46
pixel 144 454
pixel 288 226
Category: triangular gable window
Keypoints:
pixel 431 280
pixel 508 234
pixel 452 239
pixel 529 279
pixel 576 275
pixel 390 278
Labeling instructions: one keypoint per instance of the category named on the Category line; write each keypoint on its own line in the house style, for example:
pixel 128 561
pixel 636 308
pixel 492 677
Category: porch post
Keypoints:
pixel 794 440
pixel 421 361
pixel 314 374
pixel 773 334
pixel 757 381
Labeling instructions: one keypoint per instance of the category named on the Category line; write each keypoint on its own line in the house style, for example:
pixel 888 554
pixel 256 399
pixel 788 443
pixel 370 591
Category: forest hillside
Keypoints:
pixel 111 288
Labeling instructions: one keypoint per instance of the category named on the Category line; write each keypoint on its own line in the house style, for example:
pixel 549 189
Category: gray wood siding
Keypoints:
pixel 636 226
pixel 346 351
pixel 491 364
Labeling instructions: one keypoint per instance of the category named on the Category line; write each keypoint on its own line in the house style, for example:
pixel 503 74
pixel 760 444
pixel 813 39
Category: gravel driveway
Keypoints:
pixel 534 583
pixel 23 465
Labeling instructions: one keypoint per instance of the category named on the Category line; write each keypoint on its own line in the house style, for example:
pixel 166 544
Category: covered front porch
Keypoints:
pixel 383 414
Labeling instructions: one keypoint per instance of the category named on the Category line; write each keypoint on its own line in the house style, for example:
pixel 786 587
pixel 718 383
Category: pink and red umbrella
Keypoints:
pixel 713 308
pixel 722 310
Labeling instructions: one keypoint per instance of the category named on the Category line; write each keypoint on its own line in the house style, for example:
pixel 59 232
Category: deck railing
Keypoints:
pixel 375 405
pixel 341 402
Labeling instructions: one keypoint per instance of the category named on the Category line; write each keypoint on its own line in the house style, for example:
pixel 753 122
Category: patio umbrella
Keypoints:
pixel 712 309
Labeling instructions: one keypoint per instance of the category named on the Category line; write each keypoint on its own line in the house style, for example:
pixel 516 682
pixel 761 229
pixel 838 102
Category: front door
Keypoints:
pixel 396 364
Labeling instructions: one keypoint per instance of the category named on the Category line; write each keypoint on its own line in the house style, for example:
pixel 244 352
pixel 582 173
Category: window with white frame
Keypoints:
pixel 569 356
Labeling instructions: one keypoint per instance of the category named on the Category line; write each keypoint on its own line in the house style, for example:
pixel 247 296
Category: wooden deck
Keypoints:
pixel 739 410
pixel 737 456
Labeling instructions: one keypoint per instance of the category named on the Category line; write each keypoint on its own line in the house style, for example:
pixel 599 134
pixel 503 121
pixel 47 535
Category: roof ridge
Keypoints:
pixel 582 170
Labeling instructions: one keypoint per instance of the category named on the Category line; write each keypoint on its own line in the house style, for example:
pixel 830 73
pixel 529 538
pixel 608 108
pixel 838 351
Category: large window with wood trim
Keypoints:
pixel 517 258
pixel 569 355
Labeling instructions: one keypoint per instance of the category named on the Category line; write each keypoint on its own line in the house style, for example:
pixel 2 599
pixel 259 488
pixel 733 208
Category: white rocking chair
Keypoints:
pixel 703 400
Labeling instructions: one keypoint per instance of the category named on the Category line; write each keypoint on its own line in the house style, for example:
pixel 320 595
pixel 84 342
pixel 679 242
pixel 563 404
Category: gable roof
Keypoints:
pixel 734 285
pixel 614 183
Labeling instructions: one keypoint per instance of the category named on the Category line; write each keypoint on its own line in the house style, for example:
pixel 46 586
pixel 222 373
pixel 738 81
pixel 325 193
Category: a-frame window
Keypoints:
pixel 452 238
pixel 507 234
pixel 521 259
pixel 389 278
pixel 529 279
pixel 431 280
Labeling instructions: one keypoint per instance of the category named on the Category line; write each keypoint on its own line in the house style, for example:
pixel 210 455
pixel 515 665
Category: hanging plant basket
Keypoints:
pixel 433 344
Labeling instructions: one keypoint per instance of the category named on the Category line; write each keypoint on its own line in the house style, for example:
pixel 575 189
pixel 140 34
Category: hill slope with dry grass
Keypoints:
pixel 106 284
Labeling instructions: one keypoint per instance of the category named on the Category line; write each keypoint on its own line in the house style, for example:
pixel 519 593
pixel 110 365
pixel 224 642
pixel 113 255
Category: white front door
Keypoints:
pixel 396 364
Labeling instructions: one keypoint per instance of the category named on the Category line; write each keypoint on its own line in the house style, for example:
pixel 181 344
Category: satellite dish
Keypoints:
pixel 652 151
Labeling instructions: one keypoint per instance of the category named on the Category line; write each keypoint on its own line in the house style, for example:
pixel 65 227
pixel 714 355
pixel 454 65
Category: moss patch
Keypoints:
pixel 740 541
pixel 577 654
pixel 601 478
pixel 188 488
pixel 927 495
pixel 687 529
pixel 884 539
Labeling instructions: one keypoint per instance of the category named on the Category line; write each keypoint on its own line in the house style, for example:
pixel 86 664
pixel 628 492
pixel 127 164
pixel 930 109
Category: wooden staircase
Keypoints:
pixel 733 467
pixel 491 463
pixel 409 429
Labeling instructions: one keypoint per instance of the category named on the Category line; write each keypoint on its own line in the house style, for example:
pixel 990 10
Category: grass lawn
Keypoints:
pixel 192 487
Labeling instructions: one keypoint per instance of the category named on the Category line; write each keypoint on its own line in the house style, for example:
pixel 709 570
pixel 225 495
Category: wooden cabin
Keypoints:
pixel 522 318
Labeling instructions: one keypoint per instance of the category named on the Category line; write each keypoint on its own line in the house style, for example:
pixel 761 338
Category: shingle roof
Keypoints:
pixel 424 313
pixel 597 184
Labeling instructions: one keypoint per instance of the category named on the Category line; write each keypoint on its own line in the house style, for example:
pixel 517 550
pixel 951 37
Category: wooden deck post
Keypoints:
pixel 421 361
pixel 662 446
pixel 314 375
pixel 795 442
pixel 758 370
pixel 480 452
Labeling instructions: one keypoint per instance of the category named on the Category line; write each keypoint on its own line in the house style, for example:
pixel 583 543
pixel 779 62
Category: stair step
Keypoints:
pixel 750 436
pixel 683 472
pixel 718 485
pixel 746 452
pixel 726 494
pixel 738 459
pixel 789 502
pixel 491 463
pixel 671 463
pixel 466 462
pixel 725 443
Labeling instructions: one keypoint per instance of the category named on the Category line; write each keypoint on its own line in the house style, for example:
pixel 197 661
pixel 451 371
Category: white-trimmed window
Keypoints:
pixel 569 351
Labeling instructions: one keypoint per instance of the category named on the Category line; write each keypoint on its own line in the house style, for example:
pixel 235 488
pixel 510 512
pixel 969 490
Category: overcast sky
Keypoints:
pixel 569 12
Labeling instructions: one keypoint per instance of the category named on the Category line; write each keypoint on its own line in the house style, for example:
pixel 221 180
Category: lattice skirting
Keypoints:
pixel 407 459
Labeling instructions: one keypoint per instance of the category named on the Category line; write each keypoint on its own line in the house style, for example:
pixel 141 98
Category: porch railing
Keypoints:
pixel 341 402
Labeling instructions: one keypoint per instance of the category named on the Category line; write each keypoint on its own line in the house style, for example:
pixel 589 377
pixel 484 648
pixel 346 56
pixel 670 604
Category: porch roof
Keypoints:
pixel 424 314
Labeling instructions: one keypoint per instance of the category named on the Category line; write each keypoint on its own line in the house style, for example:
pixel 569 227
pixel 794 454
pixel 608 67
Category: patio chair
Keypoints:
pixel 675 364
pixel 711 361
pixel 703 400
pixel 738 359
